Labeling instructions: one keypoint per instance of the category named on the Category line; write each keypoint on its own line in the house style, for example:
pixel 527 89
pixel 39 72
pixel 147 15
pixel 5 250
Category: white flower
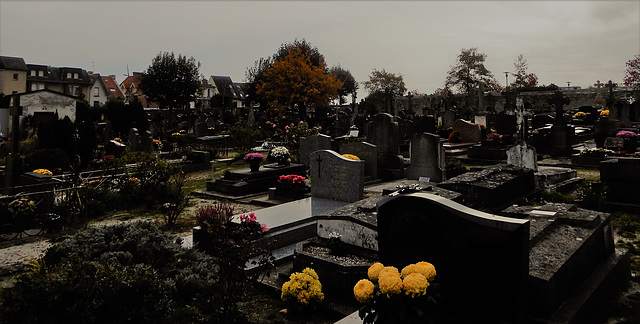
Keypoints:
pixel 279 152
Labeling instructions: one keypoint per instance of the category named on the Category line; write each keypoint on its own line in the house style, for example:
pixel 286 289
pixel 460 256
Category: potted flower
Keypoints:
pixel 303 291
pixel 280 154
pixel 291 186
pixel 630 140
pixel 254 160
pixel 392 296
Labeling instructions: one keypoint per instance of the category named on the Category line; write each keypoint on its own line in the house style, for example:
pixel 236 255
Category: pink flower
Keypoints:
pixel 264 227
pixel 301 122
pixel 319 127
pixel 274 125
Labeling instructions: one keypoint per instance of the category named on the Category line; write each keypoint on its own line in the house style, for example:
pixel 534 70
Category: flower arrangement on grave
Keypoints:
pixel 580 115
pixel 21 207
pixel 217 223
pixel 626 134
pixel 493 137
pixel 455 137
pixel 351 157
pixel 303 289
pixel 597 152
pixel 43 172
pixel 392 296
pixel 604 113
pixel 292 185
pixel 280 154
pixel 253 158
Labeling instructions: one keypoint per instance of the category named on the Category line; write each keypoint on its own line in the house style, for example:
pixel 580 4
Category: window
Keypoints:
pixel 69 75
pixel 15 77
pixel 112 90
pixel 32 72
pixel 96 92
pixel 75 76
pixel 41 73
pixel 34 86
pixel 96 103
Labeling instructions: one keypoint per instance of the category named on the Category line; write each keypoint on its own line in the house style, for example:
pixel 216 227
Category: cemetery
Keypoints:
pixel 487 213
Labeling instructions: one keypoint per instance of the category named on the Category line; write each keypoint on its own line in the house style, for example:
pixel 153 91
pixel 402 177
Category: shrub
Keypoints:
pixel 123 273
pixel 50 159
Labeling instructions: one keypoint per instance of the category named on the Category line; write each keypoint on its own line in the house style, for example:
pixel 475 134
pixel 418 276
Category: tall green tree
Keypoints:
pixel 172 82
pixel 469 71
pixel 349 84
pixel 386 85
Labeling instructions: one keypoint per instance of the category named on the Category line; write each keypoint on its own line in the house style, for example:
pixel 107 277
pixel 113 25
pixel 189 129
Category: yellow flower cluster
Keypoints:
pixel 604 113
pixel 303 287
pixel 43 172
pixel 351 156
pixel 580 114
pixel 134 179
pixel 413 280
pixel 363 290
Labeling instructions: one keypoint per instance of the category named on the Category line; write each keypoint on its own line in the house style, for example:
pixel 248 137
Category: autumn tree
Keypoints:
pixel 349 84
pixel 172 82
pixel 294 82
pixel 469 71
pixel 632 73
pixel 523 79
pixel 386 85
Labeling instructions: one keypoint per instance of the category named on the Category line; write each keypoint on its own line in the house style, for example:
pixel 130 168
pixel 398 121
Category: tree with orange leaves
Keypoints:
pixel 294 82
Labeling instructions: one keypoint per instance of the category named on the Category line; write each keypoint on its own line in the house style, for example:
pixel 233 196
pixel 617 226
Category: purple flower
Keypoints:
pixel 253 157
pixel 624 133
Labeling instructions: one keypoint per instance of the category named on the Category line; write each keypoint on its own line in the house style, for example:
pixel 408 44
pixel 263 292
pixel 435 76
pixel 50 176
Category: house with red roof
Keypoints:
pixel 103 89
pixel 130 87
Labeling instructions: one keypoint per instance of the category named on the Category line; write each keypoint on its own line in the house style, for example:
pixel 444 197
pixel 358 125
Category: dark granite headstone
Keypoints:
pixel 384 132
pixel 506 124
pixel 469 132
pixel 427 158
pixel 336 177
pixel 448 118
pixel 365 151
pixel 311 144
pixel 481 259
pixel 134 140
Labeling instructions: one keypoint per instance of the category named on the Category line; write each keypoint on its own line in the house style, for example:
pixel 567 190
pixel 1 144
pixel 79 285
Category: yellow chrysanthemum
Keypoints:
pixel 390 283
pixel 408 270
pixel 374 271
pixel 389 269
pixel 363 290
pixel 351 156
pixel 311 272
pixel 415 284
pixel 426 269
pixel 43 172
pixel 604 113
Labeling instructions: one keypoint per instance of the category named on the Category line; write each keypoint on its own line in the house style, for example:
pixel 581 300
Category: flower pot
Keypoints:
pixel 284 161
pixel 255 167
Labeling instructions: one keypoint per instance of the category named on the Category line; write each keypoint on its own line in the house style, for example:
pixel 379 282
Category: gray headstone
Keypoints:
pixel 146 142
pixel 311 144
pixel 481 120
pixel 522 155
pixel 482 260
pixel 383 132
pixel 448 118
pixel 134 140
pixel 469 132
pixel 201 129
pixel 427 158
pixel 365 151
pixel 336 177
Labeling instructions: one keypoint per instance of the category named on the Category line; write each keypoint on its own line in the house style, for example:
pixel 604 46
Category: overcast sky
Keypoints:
pixel 575 41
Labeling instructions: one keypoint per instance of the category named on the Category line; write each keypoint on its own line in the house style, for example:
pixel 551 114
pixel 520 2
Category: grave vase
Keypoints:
pixel 284 161
pixel 254 166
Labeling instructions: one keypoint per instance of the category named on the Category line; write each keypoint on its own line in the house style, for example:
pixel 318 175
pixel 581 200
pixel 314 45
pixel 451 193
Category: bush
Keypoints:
pixel 122 273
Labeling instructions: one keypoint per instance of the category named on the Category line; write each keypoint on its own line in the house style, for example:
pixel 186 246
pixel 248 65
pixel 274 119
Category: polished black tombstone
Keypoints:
pixel 481 259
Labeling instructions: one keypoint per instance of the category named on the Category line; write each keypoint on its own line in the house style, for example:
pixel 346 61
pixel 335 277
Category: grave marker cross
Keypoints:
pixel 319 159
pixel 559 101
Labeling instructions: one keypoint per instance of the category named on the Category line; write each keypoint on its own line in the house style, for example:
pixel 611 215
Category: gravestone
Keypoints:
pixel 311 144
pixel 622 178
pixel 336 177
pixel 469 132
pixel 146 142
pixel 481 120
pixel 384 132
pixel 366 152
pixel 481 259
pixel 407 129
pixel 183 125
pixel 134 140
pixel 522 155
pixel 561 133
pixel 427 158
pixel 448 118
pixel 506 124
pixel 201 129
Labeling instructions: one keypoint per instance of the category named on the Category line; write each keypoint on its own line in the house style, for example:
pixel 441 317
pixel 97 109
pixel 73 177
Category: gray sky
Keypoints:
pixel 576 41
